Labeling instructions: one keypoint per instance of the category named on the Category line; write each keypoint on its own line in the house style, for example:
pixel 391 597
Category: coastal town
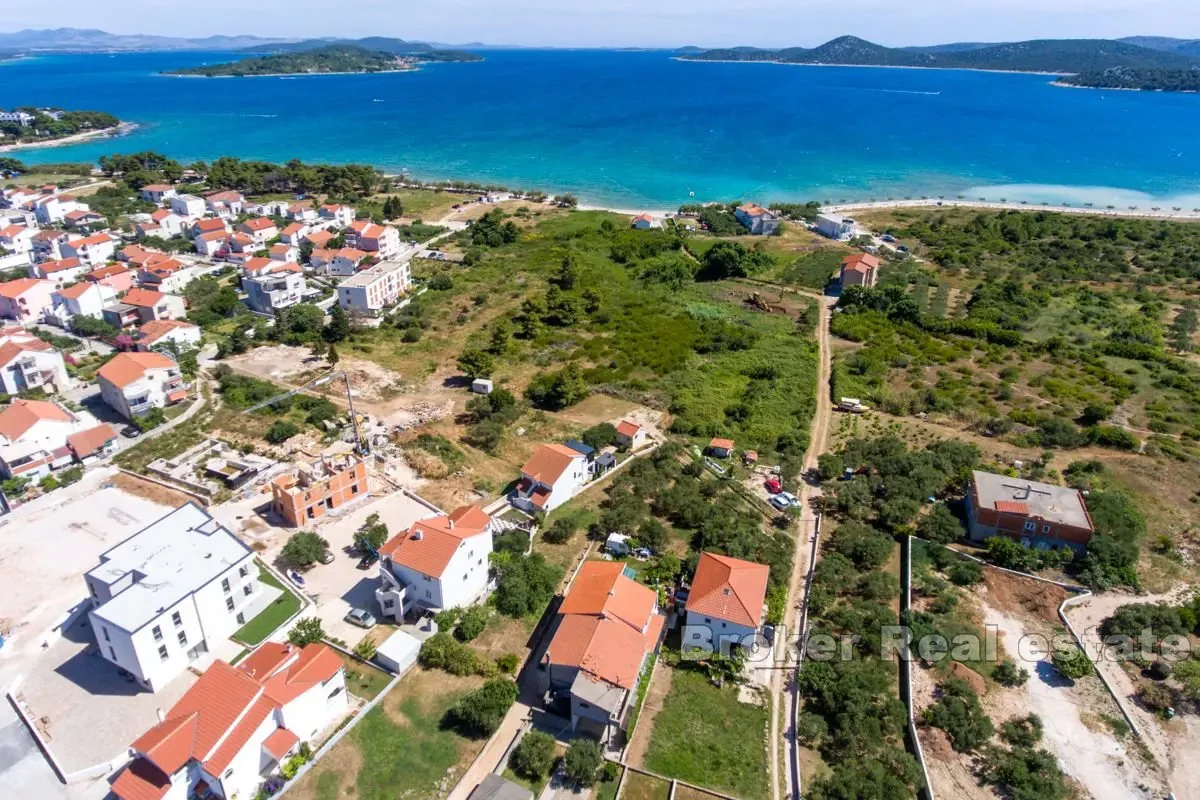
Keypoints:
pixel 322 479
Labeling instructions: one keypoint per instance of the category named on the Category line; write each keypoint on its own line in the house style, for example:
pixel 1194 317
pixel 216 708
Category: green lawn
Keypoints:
pixel 364 680
pixel 534 786
pixel 703 735
pixel 607 790
pixel 271 617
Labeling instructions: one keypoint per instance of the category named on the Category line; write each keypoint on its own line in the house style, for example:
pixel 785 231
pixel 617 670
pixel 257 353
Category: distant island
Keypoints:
pixel 1146 80
pixel 25 127
pixel 1054 56
pixel 326 60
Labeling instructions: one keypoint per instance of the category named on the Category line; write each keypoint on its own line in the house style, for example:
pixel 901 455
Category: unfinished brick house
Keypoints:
pixel 313 490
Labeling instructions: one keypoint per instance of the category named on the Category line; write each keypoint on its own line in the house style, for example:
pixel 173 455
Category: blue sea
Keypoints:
pixel 642 130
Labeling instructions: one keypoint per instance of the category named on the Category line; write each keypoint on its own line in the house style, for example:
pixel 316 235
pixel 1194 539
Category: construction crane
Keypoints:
pixel 364 446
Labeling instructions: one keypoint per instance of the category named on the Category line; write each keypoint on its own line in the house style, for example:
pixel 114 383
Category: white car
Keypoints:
pixel 785 500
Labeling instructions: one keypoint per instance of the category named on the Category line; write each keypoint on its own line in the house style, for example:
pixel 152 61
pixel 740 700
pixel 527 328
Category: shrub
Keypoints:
pixel 472 623
pixel 1156 697
pixel 365 649
pixel 304 548
pixel 533 755
pixel 1072 663
pixel 1022 731
pixel 940 525
pixel 306 631
pixel 443 651
pixel 1007 673
pixel 582 762
pixel 559 532
pixel 480 712
pixel 508 663
pixel 965 573
pixel 280 431
pixel 960 715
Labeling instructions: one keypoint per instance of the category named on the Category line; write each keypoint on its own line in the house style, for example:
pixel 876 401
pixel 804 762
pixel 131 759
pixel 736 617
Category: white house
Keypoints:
pixel 29 364
pixel 26 299
pixel 268 208
pixel 284 252
pixel 379 240
pixel 133 384
pixel 260 229
pixel 209 244
pixel 36 436
pixel 154 305
pixel 237 725
pixel 84 299
pixel 340 215
pixel 294 234
pixel 17 238
pixel 225 204
pixel 438 563
pixel 48 244
pixel 188 206
pixel 91 250
pixel 552 476
pixel 169 275
pixel 62 271
pixel 757 219
pixel 375 288
pixel 606 629
pixel 158 333
pixel 170 222
pixel 725 606
pixel 164 596
pixel 83 219
pixel 644 222
pixel 278 286
pixel 345 262
pixel 158 192
pixel 55 208
pixel 836 226
pixel 302 212
pixel 630 434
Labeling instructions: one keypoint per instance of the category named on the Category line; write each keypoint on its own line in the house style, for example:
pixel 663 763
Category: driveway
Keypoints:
pixel 23 770
pixel 340 586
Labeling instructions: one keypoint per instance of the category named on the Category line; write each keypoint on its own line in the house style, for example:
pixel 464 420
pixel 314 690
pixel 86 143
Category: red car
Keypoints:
pixel 774 486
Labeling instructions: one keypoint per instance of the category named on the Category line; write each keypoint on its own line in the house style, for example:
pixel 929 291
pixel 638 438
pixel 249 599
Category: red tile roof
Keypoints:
pixel 77 291
pixel 258 224
pixel 860 262
pixel 85 443
pixel 602 589
pixel 157 187
pixel 50 267
pixel 627 428
pixel 107 272
pixel 99 238
pixel 549 462
pixel 14 289
pixel 280 742
pixel 319 237
pixel 729 589
pixel 429 545
pixel 21 415
pixel 209 225
pixel 721 444
pixel 143 298
pixel 125 368
pixel 1011 507
pixel 155 329
pixel 141 780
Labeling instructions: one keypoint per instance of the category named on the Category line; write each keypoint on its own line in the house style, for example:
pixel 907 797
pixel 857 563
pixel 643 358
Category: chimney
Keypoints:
pixel 450 520
pixel 417 535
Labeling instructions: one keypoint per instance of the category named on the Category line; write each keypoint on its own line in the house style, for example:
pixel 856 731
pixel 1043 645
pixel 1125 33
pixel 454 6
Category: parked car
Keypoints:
pixel 327 557
pixel 367 561
pixel 361 617
pixel 131 431
pixel 785 500
pixel 903 248
pixel 773 485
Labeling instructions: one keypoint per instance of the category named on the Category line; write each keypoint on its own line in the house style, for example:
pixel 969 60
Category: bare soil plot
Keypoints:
pixel 656 695
pixel 644 787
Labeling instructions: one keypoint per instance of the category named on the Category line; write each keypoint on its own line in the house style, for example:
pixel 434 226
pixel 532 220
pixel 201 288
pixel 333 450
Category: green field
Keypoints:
pixel 703 735
pixel 271 617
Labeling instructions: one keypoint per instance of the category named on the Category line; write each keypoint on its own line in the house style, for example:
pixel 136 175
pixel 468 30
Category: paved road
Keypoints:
pixel 22 767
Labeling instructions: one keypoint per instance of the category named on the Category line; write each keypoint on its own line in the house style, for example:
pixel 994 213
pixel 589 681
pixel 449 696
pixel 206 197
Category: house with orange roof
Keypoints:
pixel 150 230
pixel 630 435
pixel 725 604
pixel 311 490
pixel 438 563
pixel 17 238
pixel 606 629
pixel 92 250
pixel 381 241
pixel 146 304
pixel 225 204
pixel 758 220
pixel 171 223
pixel 345 262
pixel 318 239
pixel 859 269
pixel 1039 515
pixel 644 222
pixel 117 277
pixel 284 252
pixel 553 475
pixel 26 299
pixel 720 448
pixel 339 215
pixel 62 271
pixel 260 229
pixel 34 436
pixel 302 211
pixel 158 192
pixel 48 244
pixel 83 299
pixel 31 364
pixel 294 233
pixel 320 258
pixel 55 208
pixel 188 206
pixel 236 726
pixel 82 219
pixel 134 384
pixel 159 333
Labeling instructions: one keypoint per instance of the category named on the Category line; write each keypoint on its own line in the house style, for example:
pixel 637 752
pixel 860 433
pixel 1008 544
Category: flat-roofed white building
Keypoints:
pixel 165 596
pixel 375 288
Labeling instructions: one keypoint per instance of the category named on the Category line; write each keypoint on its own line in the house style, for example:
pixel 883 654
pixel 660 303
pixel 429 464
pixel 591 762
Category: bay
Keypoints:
pixel 644 130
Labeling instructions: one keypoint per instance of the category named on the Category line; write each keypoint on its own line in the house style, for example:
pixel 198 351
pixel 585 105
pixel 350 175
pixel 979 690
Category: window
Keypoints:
pixel 162 653
pixel 1045 529
pixel 92 589
pixel 157 631
pixel 334 693
pixel 707 621
pixel 243 570
pixel 104 630
pixel 228 774
pixel 354 488
pixel 112 654
pixel 182 638
pixel 428 593
pixel 584 705
pixel 176 618
pixel 1030 526
pixel 248 589
pixel 241 618
pixel 229 603
pixel 427 580
pixel 225 585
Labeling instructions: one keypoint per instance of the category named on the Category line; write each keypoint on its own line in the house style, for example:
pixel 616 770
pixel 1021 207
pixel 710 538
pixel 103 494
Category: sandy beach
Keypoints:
pixel 123 129
pixel 1182 214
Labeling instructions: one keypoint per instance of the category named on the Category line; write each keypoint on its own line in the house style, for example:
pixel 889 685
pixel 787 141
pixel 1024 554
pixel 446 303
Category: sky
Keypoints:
pixel 617 23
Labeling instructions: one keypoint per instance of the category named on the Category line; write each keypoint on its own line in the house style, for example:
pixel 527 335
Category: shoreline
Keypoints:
pixel 124 129
pixel 1064 85
pixel 1168 214
pixel 866 66
pixel 290 74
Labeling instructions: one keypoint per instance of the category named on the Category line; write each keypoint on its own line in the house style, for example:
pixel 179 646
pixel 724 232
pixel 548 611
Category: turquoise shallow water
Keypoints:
pixel 639 129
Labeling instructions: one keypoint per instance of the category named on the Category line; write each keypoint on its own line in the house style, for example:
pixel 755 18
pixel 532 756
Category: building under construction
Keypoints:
pixel 313 489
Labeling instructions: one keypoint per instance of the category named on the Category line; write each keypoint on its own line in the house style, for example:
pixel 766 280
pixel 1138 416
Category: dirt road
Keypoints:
pixel 781 732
